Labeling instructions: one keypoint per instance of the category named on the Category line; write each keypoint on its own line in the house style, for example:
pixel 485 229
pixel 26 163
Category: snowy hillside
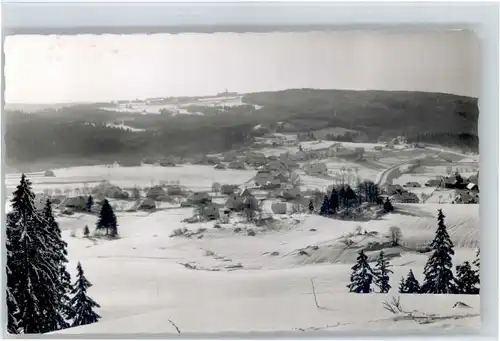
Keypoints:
pixel 258 283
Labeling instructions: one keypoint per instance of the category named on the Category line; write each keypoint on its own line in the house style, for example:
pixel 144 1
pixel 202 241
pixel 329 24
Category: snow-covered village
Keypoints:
pixel 297 210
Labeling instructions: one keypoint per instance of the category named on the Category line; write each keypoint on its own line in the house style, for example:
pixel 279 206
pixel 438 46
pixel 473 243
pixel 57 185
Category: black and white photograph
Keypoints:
pixel 312 181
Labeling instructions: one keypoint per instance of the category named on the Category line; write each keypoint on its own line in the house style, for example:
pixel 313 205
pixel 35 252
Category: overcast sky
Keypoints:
pixel 56 69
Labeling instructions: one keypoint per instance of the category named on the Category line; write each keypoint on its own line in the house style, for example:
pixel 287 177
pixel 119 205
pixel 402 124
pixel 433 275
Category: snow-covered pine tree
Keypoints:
pixel 12 308
pixel 411 285
pixel 86 231
pixel 401 287
pixel 107 220
pixel 63 282
pixel 12 311
pixel 311 206
pixel 90 203
pixel 438 270
pixel 325 207
pixel 466 280
pixel 334 201
pixel 81 304
pixel 477 264
pixel 388 206
pixel 33 273
pixel 382 272
pixel 362 275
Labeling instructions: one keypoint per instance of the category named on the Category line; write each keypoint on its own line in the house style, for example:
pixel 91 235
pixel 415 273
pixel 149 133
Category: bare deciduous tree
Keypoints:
pixel 395 235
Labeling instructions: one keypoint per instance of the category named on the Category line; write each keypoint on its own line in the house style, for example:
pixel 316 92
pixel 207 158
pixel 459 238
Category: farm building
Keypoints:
pixel 234 203
pixel 315 169
pixel 48 173
pixel 276 165
pixel 290 193
pixel 174 190
pixel 237 165
pixel 78 203
pixel 433 183
pixel 245 192
pixel 229 156
pixel 472 187
pixel 146 204
pixel 256 159
pixel 227 189
pixel 393 189
pixel 220 166
pixel 166 163
pixel 199 197
pixel 263 177
pixel 412 184
pixel 107 190
pixel 156 193
pixel 280 176
pixel 405 197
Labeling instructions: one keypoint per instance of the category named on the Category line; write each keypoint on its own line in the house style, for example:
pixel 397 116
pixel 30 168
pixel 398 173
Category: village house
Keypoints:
pixel 280 176
pixel 405 197
pixel 237 165
pixel 290 193
pixel 146 204
pixel 412 184
pixel 227 189
pixel 156 193
pixel 263 177
pixel 315 169
pixel 276 165
pixel 174 190
pixel 256 159
pixel 393 189
pixel 229 156
pixel 220 166
pixel 234 203
pixel 49 173
pixel 199 198
pixel 78 203
pixel 472 187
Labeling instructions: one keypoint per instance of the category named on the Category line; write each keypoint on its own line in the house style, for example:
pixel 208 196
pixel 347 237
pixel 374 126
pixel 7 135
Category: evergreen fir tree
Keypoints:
pixel 63 282
pixel 411 284
pixel 334 201
pixel 477 264
pixel 325 207
pixel 12 310
pixel 438 270
pixel 466 280
pixel 33 274
pixel 86 231
pixel 382 272
pixel 311 206
pixel 107 220
pixel 388 206
pixel 402 289
pixel 362 275
pixel 90 203
pixel 81 304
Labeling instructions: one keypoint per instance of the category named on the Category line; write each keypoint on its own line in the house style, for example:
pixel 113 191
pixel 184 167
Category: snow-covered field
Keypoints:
pixel 178 108
pixel 194 177
pixel 140 283
pixel 224 280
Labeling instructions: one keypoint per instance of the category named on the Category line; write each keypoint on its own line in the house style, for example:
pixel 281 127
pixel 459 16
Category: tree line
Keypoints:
pixel 438 274
pixel 40 295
